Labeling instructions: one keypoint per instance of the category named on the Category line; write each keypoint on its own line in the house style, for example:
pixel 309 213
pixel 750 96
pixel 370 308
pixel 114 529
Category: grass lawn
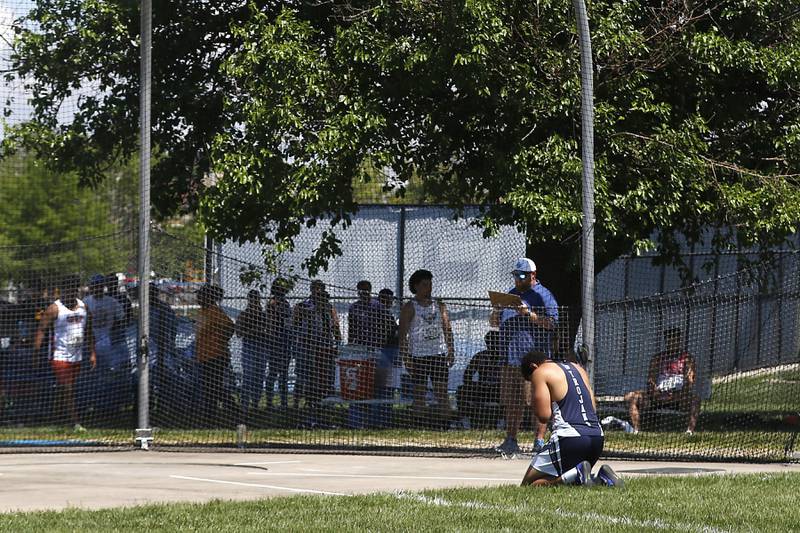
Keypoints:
pixel 756 502
pixel 770 392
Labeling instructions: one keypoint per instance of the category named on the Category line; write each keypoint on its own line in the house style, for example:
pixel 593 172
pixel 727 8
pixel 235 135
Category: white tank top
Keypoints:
pixel 68 333
pixel 426 335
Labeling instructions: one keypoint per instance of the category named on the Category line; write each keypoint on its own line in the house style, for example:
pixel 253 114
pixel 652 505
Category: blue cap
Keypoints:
pixel 97 279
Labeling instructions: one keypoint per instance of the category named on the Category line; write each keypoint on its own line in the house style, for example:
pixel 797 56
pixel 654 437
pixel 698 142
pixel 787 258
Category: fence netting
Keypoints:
pixel 283 361
pixel 67 344
pixel 246 350
pixel 705 371
pixel 710 370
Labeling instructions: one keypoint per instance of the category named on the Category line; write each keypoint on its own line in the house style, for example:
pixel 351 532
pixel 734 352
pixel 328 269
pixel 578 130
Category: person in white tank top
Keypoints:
pixel 426 331
pixel 69 331
pixel 71 326
pixel 426 342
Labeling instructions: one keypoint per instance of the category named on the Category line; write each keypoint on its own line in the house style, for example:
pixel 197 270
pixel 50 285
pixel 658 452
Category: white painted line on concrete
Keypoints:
pixel 290 489
pixel 267 463
pixel 375 476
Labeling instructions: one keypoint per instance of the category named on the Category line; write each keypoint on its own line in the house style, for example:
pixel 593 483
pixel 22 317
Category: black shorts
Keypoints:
pixel 561 454
pixel 675 401
pixel 433 367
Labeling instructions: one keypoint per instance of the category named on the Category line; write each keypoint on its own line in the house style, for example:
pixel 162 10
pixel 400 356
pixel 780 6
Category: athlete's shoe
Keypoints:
pixel 608 477
pixel 509 447
pixel 585 474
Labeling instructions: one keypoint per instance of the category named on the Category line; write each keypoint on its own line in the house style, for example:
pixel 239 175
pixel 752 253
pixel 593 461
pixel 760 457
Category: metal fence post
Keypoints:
pixel 587 156
pixel 143 431
pixel 401 255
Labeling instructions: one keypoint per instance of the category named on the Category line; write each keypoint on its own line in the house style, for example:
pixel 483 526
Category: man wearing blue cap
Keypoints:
pixel 522 329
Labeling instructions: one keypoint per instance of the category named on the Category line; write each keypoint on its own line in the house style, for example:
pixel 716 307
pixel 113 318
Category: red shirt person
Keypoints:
pixel 671 382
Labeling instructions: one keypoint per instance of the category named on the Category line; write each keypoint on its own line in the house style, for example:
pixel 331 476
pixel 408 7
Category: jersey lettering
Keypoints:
pixel 578 392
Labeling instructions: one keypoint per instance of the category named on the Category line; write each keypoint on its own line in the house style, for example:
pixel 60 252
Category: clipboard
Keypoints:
pixel 504 299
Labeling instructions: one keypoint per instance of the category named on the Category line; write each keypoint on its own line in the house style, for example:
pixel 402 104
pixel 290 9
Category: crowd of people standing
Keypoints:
pixel 421 339
pixel 88 335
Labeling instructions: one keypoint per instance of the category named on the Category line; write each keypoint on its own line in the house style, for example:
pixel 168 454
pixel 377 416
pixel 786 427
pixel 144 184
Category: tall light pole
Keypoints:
pixel 143 431
pixel 587 156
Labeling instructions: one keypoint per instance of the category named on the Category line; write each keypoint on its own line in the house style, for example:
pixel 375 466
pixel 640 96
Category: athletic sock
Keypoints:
pixel 570 477
pixel 580 475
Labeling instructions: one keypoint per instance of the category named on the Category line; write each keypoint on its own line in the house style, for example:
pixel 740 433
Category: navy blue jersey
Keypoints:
pixel 574 414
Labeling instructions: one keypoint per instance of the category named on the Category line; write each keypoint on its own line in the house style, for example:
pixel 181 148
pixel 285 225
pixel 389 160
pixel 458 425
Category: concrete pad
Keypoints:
pixel 114 479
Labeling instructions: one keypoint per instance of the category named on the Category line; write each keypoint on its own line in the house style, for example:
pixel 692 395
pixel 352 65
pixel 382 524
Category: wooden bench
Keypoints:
pixel 614 405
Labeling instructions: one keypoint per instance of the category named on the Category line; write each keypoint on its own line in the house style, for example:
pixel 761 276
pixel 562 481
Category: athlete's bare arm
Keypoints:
pixel 448 334
pixel 585 377
pixel 48 317
pixel 406 316
pixel 690 371
pixel 90 340
pixel 541 401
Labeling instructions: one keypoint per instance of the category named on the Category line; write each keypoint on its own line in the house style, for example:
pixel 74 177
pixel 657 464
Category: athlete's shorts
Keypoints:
pixel 678 400
pixel 561 454
pixel 66 373
pixel 432 366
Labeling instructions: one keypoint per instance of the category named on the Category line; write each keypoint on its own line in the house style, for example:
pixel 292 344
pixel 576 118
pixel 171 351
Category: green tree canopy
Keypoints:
pixel 52 227
pixel 697 119
pixel 177 250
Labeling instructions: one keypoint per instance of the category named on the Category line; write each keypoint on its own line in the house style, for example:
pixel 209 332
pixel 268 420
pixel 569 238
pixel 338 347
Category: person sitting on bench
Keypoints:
pixel 671 381
pixel 481 387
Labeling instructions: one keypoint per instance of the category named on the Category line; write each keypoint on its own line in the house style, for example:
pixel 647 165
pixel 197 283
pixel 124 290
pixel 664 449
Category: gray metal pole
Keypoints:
pixel 208 267
pixel 587 153
pixel 143 432
pixel 401 256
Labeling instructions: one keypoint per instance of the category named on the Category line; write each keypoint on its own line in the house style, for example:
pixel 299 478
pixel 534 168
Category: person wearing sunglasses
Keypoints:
pixel 526 327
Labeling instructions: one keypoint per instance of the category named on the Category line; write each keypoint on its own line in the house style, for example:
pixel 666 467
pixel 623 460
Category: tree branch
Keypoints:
pixel 713 163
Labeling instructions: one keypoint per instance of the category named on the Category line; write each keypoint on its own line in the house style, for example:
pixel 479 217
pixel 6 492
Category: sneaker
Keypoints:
pixel 608 477
pixel 585 474
pixel 689 433
pixel 509 446
pixel 77 428
pixel 502 445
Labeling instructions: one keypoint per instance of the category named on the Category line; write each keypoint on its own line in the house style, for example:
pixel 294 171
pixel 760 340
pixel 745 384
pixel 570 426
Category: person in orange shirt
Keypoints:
pixel 213 334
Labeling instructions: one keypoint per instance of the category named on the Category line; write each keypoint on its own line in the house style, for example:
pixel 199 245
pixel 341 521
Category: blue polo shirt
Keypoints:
pixel 518 335
pixel 550 303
